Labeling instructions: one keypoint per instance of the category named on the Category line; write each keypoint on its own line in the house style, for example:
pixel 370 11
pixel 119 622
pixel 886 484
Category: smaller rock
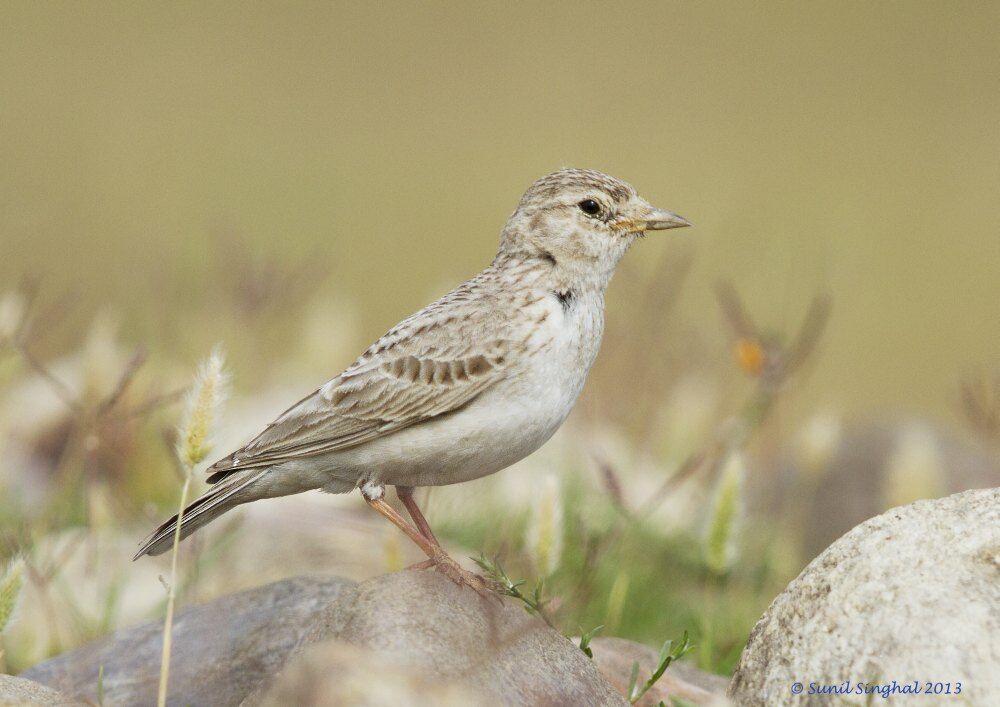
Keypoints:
pixel 615 657
pixel 420 621
pixel 221 650
pixel 21 691
pixel 335 674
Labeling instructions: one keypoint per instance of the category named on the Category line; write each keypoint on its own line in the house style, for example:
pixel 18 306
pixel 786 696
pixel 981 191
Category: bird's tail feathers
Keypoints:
pixel 202 511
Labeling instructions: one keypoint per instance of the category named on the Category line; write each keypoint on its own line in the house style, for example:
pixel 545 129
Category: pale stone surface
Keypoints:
pixel 308 638
pixel 911 595
pixel 21 691
pixel 423 622
pixel 221 650
pixel 335 674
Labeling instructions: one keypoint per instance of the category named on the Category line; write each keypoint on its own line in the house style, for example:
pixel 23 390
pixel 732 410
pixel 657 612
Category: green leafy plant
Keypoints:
pixel 585 640
pixel 668 654
pixel 534 603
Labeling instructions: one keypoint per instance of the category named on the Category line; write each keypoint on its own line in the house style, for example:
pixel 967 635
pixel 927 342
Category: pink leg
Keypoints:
pixel 405 494
pixel 375 497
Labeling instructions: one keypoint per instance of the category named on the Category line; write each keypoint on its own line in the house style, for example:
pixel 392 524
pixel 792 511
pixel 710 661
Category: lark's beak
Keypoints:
pixel 660 220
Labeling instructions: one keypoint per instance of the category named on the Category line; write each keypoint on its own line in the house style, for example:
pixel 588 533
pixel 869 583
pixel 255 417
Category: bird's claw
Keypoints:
pixel 460 576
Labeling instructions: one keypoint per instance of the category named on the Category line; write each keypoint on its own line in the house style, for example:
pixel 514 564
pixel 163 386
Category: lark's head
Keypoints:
pixel 582 219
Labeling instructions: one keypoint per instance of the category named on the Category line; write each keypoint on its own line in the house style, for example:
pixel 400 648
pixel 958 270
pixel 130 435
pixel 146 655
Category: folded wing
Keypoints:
pixel 416 372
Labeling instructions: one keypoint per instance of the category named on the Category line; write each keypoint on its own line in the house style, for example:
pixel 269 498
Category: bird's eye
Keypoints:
pixel 590 207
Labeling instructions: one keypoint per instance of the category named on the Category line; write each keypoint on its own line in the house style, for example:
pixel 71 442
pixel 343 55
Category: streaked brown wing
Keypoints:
pixel 384 391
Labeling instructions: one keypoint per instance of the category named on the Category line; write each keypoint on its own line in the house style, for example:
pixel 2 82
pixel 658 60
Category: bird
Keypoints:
pixel 463 388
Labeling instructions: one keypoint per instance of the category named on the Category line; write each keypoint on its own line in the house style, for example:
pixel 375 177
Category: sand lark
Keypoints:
pixel 465 387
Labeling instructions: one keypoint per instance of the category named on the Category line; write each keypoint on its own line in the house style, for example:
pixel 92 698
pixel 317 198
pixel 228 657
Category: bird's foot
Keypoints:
pixel 444 564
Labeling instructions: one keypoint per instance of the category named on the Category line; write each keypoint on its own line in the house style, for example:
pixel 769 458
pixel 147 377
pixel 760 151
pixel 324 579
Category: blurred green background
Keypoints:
pixel 851 146
pixel 291 179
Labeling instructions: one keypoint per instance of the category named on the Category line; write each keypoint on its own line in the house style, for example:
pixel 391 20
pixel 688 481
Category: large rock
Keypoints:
pixel 422 622
pixel 221 650
pixel 912 595
pixel 21 691
pixel 314 640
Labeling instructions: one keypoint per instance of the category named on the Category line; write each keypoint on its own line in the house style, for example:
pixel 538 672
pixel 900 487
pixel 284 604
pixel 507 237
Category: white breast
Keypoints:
pixel 560 354
pixel 507 422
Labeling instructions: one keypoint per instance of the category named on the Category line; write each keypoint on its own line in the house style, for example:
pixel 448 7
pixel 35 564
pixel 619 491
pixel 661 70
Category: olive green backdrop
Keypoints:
pixel 846 146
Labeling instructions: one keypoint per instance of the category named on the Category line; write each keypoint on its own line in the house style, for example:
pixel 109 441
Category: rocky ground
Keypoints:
pixel 411 637
pixel 911 595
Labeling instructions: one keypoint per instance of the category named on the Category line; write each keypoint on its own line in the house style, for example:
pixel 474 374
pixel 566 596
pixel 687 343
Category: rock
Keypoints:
pixel 95 563
pixel 255 544
pixel 911 595
pixel 334 674
pixel 614 657
pixel 314 640
pixel 221 650
pixel 21 691
pixel 448 634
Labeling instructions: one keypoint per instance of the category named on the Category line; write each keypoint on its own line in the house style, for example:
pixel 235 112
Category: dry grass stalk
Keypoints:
pixel 194 444
pixel 766 359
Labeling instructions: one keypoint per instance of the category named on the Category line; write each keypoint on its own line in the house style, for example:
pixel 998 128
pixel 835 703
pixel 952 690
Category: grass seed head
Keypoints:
pixel 10 591
pixel 545 531
pixel 201 409
pixel 720 545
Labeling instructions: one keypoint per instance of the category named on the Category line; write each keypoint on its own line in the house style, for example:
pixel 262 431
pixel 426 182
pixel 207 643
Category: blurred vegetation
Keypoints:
pixel 290 180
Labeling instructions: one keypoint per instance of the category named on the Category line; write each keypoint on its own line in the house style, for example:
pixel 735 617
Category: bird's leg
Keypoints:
pixel 374 495
pixel 405 494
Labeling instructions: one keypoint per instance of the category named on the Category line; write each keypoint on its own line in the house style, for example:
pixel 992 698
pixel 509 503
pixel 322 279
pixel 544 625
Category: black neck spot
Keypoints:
pixel 548 258
pixel 565 298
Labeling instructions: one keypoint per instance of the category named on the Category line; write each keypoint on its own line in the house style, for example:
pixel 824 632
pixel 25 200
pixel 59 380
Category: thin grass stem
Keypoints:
pixel 168 622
